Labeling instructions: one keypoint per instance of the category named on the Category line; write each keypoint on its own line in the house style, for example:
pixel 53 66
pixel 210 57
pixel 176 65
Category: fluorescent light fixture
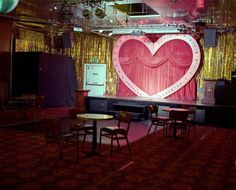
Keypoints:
pixel 78 29
pixel 148 30
pixel 144 16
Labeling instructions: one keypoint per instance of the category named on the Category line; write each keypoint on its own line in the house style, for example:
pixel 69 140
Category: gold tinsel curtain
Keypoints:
pixel 217 62
pixel 92 48
pixel 86 48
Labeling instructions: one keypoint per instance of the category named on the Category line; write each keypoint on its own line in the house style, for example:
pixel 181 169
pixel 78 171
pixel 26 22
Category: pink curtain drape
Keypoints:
pixel 154 73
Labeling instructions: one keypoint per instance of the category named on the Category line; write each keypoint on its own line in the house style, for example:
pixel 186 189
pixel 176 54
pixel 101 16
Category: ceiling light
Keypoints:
pixel 100 31
pixel 110 34
pixel 138 33
pixel 87 13
pixel 100 13
pixel 154 29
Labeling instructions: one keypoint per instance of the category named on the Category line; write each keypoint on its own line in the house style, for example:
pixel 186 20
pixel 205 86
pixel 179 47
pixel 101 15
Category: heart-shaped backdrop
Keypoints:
pixel 191 63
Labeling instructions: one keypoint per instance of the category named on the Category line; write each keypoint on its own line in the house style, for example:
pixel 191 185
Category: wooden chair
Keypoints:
pixel 156 120
pixel 191 118
pixel 51 128
pixel 178 121
pixel 118 132
pixel 78 126
pixel 38 107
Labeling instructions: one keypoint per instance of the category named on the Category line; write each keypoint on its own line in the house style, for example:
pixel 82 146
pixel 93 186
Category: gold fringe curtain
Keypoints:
pixel 92 48
pixel 217 62
pixel 30 41
pixel 86 48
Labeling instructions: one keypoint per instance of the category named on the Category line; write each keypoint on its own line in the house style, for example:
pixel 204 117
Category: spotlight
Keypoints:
pixel 100 13
pixel 87 13
pixel 110 34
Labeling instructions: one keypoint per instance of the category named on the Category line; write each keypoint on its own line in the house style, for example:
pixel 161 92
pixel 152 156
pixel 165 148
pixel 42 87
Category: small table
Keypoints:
pixel 94 117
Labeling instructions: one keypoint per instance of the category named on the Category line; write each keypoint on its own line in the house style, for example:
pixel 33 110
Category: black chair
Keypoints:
pixel 191 119
pixel 156 120
pixel 38 105
pixel 78 126
pixel 178 121
pixel 51 128
pixel 118 132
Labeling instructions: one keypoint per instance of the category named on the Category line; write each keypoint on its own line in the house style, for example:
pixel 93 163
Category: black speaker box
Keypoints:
pixel 210 37
pixel 67 38
pixel 49 75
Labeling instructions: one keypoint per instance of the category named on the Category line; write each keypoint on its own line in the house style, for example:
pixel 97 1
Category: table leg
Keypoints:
pixel 94 151
pixel 94 142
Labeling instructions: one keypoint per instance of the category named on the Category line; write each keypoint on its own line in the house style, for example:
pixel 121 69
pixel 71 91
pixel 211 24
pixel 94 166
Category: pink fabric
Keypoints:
pixel 155 73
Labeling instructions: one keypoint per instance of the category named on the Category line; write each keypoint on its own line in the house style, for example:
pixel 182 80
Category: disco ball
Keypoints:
pixel 7 6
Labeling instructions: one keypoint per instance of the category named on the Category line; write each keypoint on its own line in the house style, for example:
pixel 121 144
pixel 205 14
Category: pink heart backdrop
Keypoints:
pixel 165 68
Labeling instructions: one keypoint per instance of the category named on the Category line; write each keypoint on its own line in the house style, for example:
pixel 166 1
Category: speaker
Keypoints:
pixel 210 37
pixel 67 38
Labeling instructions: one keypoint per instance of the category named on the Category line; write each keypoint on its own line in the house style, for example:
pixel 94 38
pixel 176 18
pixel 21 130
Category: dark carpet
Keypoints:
pixel 205 162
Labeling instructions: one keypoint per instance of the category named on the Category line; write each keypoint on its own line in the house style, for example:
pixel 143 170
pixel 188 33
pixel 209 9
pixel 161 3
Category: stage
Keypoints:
pixel 206 113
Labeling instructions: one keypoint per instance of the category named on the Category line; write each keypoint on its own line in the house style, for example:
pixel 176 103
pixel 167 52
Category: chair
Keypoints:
pixel 76 125
pixel 191 118
pixel 53 134
pixel 178 121
pixel 118 132
pixel 37 107
pixel 156 119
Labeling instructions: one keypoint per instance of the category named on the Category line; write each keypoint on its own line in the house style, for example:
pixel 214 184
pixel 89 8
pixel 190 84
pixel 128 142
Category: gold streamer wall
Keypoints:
pixel 86 48
pixel 217 62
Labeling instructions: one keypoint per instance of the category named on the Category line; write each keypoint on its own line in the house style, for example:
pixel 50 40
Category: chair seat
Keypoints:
pixel 67 135
pixel 83 127
pixel 110 128
pixel 114 130
pixel 162 118
pixel 117 132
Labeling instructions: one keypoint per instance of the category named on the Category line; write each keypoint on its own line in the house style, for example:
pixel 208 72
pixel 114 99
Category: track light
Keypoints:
pixel 100 13
pixel 86 13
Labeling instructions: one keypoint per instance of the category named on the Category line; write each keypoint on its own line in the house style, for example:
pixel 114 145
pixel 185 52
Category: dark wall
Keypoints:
pixel 52 76
pixel 5 57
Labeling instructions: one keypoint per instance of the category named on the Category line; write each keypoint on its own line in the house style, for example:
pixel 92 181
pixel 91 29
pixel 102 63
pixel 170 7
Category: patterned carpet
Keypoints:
pixel 205 162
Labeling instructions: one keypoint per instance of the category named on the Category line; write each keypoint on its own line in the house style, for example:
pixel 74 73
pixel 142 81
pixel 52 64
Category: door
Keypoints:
pixel 95 79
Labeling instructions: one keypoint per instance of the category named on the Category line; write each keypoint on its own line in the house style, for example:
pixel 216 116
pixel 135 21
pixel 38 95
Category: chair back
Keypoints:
pixel 39 101
pixel 124 118
pixel 73 120
pixel 178 116
pixel 192 112
pixel 51 128
pixel 72 113
pixel 153 111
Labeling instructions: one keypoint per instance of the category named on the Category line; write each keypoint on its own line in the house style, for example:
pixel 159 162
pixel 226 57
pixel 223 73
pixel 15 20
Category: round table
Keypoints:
pixel 94 117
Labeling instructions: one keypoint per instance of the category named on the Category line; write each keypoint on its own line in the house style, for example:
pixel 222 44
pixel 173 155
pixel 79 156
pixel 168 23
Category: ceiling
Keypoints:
pixel 123 14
